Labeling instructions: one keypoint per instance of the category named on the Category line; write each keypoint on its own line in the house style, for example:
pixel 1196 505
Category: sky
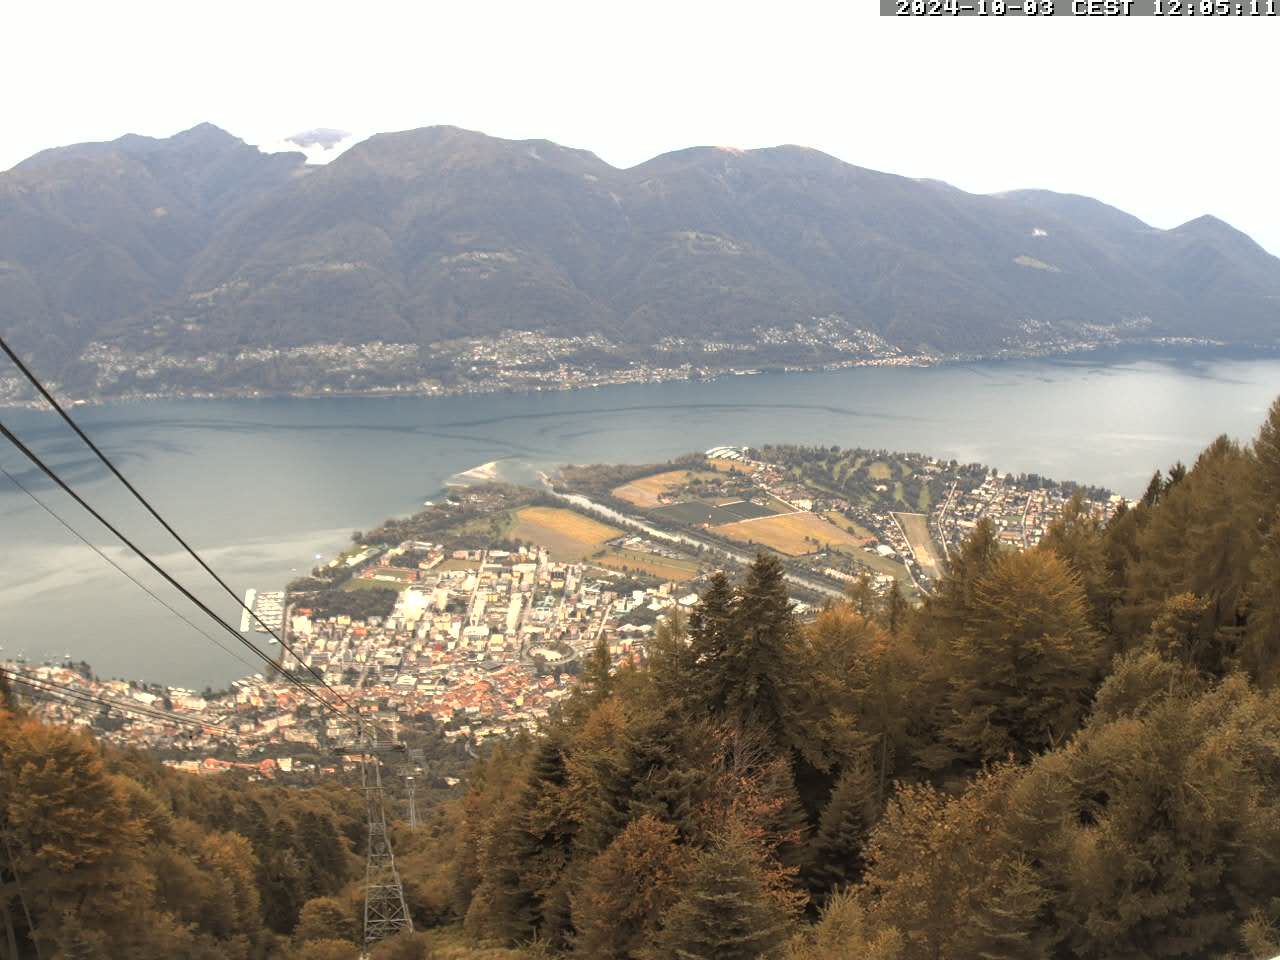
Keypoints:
pixel 1165 118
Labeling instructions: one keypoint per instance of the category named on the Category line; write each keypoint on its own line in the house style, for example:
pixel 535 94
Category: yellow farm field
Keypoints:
pixel 787 533
pixel 664 568
pixel 644 492
pixel 567 535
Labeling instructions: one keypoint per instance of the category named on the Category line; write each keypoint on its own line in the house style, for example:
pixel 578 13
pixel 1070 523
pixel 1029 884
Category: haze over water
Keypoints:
pixel 261 486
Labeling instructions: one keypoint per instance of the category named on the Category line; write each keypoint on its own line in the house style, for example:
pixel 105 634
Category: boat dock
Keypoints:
pixel 249 596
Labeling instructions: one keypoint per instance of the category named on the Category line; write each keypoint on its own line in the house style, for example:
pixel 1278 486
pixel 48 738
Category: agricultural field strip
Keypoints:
pixel 768 516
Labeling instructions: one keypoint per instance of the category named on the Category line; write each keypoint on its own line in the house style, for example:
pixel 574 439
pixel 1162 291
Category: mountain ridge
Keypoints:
pixel 200 242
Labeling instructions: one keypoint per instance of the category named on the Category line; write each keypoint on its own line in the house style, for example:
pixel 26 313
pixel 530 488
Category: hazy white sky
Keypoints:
pixel 1166 118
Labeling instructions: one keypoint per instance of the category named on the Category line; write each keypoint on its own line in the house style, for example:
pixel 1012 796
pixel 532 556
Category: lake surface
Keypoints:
pixel 262 486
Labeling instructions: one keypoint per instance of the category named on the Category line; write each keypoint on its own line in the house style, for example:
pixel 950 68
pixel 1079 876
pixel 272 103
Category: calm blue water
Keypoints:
pixel 260 487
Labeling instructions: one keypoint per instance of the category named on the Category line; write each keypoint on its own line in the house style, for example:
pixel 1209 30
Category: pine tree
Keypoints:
pixel 895 609
pixel 946 611
pixel 747 681
pixel 724 910
pixel 843 829
pixel 1078 538
pixel 1177 631
pixel 1200 539
pixel 1027 662
pixel 664 771
pixel 627 890
pixel 1266 469
pixel 711 625
pixel 1260 652
pixel 844 933
pixel 595 682
pixel 544 836
pixel 934 862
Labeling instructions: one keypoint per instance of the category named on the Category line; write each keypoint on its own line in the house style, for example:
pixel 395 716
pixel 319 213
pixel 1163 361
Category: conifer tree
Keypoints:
pixel 1266 457
pixel 1200 539
pixel 543 836
pixel 934 863
pixel 947 609
pixel 1155 489
pixel 626 891
pixel 724 910
pixel 711 625
pixel 1027 662
pixel 895 609
pixel 1176 633
pixel 1077 537
pixel 748 680
pixel 1260 652
pixel 671 669
pixel 843 829
pixel 844 933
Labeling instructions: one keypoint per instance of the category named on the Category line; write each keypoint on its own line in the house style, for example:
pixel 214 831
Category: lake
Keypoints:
pixel 262 486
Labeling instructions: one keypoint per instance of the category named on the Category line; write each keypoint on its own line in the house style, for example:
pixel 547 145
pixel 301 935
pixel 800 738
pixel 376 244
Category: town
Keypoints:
pixel 470 620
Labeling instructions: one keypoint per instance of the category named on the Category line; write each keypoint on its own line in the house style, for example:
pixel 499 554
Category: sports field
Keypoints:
pixel 569 536
pixel 792 533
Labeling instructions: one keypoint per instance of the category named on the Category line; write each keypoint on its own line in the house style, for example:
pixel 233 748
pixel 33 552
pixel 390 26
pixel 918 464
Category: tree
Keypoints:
pixel 324 918
pixel 1260 650
pixel 1026 662
pixel 947 610
pixel 844 827
pixel 627 890
pixel 69 833
pixel 711 626
pixel 1078 538
pixel 724 910
pixel 895 608
pixel 935 865
pixel 843 933
pixel 1266 458
pixel 1199 538
pixel 862 596
pixel 748 679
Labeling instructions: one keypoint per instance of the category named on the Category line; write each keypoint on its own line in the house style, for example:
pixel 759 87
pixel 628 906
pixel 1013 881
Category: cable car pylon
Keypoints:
pixel 385 911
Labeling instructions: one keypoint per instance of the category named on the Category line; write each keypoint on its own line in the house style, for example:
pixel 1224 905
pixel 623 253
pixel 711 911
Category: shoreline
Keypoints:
pixel 1159 348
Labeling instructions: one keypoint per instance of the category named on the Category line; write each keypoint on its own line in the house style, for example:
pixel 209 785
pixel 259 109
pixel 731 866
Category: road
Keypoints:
pixel 942 521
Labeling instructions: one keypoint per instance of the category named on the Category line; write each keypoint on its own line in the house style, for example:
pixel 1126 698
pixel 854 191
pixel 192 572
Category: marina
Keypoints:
pixel 268 609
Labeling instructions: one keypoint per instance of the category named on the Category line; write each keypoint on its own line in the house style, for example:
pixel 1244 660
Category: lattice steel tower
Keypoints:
pixel 385 912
